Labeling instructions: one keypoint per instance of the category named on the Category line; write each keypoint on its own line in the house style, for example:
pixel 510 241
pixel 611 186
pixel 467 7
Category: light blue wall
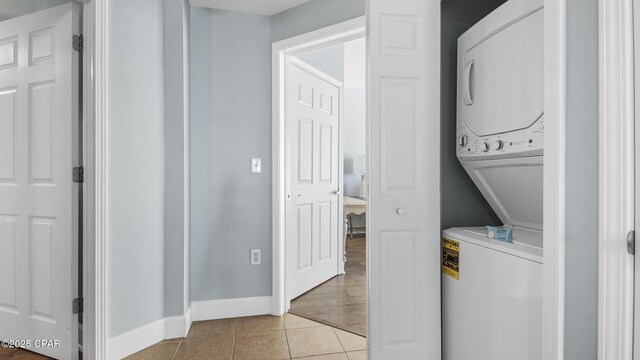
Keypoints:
pixel 314 15
pixel 354 135
pixel 329 60
pixel 202 151
pixel 135 143
pixel 581 247
pixel 231 123
pixel 175 125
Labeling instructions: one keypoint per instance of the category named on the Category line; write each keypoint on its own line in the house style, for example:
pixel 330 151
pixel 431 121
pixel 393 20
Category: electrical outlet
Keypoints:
pixel 256 256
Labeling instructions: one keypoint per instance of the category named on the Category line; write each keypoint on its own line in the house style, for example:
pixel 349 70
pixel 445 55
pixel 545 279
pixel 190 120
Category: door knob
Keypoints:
pixel 336 192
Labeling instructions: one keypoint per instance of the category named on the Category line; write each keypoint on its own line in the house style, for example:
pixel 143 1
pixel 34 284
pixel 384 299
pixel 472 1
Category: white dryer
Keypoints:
pixel 492 291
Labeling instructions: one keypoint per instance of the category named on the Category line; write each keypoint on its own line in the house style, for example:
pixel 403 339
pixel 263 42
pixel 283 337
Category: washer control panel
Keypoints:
pixel 529 141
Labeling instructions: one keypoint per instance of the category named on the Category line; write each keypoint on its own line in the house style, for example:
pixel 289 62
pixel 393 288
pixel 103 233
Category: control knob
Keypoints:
pixel 463 140
pixel 499 145
pixel 485 147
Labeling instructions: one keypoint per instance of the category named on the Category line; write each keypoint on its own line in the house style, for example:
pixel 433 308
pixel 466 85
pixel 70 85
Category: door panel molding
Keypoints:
pixel 403 154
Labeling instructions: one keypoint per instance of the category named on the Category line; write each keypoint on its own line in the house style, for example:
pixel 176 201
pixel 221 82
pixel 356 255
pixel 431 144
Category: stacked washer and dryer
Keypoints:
pixel 492 299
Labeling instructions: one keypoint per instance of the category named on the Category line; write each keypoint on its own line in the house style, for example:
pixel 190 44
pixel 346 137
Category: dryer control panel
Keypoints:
pixel 519 143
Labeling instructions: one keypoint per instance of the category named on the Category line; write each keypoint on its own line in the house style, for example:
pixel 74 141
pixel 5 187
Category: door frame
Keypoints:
pixel 95 77
pixel 618 171
pixel 281 51
pixel 555 21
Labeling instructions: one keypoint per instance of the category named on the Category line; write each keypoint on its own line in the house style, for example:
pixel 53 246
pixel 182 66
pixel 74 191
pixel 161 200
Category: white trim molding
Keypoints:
pixel 141 338
pixel 177 326
pixel 554 179
pixel 616 180
pixel 229 308
pixel 342 32
pixel 95 186
pixel 135 340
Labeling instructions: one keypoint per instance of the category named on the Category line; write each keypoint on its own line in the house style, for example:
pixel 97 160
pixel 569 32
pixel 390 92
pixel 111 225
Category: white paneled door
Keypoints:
pixel 312 207
pixel 403 206
pixel 38 116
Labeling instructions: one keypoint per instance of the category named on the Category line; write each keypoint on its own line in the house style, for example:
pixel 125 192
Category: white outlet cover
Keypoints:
pixel 256 257
pixel 256 165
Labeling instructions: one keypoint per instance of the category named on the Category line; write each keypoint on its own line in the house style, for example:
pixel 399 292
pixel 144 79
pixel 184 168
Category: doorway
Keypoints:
pixel 336 299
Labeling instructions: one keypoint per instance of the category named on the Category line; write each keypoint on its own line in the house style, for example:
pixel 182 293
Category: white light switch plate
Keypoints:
pixel 256 165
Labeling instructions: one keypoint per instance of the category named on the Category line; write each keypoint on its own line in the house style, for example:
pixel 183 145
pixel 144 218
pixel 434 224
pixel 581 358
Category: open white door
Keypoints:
pixel 312 208
pixel 635 341
pixel 403 214
pixel 38 117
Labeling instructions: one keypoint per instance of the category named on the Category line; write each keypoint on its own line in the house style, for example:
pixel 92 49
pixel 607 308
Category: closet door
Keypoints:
pixel 403 207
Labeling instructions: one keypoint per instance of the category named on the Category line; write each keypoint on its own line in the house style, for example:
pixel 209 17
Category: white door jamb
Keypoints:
pixel 95 181
pixel 554 179
pixel 617 169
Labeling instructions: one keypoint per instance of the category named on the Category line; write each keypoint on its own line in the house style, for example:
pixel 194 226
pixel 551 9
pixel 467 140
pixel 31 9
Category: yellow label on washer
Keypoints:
pixel 451 257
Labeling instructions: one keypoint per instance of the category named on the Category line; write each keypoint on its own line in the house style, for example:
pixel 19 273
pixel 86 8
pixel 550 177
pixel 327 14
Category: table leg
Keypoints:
pixel 346 227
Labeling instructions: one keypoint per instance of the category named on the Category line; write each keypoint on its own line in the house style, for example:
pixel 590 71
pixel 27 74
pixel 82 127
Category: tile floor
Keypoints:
pixel 259 337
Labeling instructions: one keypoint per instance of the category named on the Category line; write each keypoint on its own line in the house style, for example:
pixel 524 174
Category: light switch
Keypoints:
pixel 256 165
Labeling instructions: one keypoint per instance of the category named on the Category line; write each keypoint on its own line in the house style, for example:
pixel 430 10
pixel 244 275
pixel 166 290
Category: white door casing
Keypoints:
pixel 313 124
pixel 38 215
pixel 403 207
pixel 635 147
pixel 616 180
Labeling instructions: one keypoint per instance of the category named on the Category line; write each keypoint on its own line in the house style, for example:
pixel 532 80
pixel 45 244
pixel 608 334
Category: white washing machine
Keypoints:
pixel 492 290
pixel 494 310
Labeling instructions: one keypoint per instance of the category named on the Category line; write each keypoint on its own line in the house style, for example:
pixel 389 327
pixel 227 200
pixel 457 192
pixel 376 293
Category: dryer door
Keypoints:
pixel 513 188
pixel 503 78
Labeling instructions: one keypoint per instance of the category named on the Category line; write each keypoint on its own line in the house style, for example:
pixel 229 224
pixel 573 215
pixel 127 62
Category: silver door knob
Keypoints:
pixel 336 192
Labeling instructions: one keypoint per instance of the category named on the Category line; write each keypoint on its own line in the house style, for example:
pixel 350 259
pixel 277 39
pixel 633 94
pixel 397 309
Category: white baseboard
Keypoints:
pixel 176 326
pixel 188 320
pixel 137 339
pixel 228 308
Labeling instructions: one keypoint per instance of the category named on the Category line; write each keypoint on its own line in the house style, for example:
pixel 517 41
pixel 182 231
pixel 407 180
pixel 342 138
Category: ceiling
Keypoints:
pixel 260 7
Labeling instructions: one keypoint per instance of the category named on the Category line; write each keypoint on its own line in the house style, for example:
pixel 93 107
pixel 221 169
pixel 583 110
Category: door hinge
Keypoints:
pixel 78 305
pixel 78 43
pixel 78 174
pixel 631 242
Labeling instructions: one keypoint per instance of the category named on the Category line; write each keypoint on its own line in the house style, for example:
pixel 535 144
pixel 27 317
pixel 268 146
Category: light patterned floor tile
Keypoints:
pixel 313 341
